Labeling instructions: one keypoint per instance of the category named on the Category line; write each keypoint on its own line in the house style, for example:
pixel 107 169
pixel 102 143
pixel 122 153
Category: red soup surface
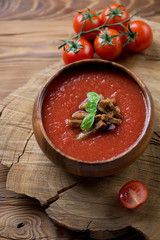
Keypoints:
pixel 64 97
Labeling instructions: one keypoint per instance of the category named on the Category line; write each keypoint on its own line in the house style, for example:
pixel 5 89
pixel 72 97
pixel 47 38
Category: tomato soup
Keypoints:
pixel 65 95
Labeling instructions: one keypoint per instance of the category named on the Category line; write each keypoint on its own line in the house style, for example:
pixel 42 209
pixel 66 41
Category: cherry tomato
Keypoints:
pixel 78 23
pixel 118 14
pixel 112 47
pixel 144 36
pixel 133 194
pixel 84 52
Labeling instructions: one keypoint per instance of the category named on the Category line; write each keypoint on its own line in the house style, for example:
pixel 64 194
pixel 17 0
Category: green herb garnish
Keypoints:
pixel 93 97
pixel 91 108
pixel 88 121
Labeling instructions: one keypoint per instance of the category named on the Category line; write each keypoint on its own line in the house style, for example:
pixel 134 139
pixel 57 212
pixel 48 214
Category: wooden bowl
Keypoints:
pixel 100 168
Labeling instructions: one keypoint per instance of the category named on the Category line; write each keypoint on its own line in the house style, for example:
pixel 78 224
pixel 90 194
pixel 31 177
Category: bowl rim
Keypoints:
pixel 146 94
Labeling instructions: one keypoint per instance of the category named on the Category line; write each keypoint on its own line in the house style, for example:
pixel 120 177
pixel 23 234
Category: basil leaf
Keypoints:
pixel 87 121
pixel 93 97
pixel 91 107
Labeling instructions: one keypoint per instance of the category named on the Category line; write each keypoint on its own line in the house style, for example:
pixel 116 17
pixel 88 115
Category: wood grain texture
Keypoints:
pixel 48 9
pixel 23 218
pixel 28 43
pixel 81 203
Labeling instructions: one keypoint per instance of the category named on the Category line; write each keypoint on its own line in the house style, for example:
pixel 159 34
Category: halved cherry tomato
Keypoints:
pixel 89 24
pixel 144 36
pixel 133 194
pixel 84 51
pixel 112 47
pixel 116 15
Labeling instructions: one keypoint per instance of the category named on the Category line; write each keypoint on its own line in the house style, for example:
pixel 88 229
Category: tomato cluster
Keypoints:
pixel 106 34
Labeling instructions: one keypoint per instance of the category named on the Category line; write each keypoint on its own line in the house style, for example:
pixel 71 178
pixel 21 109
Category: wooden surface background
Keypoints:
pixel 28 44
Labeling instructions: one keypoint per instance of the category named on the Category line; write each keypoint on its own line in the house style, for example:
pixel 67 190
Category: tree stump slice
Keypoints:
pixel 80 203
pixel 22 217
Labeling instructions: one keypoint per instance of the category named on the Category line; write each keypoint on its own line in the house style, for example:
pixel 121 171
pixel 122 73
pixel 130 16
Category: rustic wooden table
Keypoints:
pixel 28 44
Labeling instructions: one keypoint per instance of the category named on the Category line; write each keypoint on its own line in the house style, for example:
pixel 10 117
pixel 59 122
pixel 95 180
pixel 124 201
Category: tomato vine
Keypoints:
pixel 77 37
pixel 107 35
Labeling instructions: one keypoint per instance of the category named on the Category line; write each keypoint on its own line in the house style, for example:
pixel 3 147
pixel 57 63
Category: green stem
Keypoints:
pixel 99 28
pixel 62 45
pixel 109 25
pixel 124 27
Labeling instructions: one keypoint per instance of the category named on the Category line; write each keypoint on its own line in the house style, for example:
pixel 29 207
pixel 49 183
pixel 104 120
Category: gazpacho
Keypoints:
pixel 68 91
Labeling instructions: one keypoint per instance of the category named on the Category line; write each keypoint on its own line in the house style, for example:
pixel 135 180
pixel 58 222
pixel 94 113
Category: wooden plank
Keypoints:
pixel 79 203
